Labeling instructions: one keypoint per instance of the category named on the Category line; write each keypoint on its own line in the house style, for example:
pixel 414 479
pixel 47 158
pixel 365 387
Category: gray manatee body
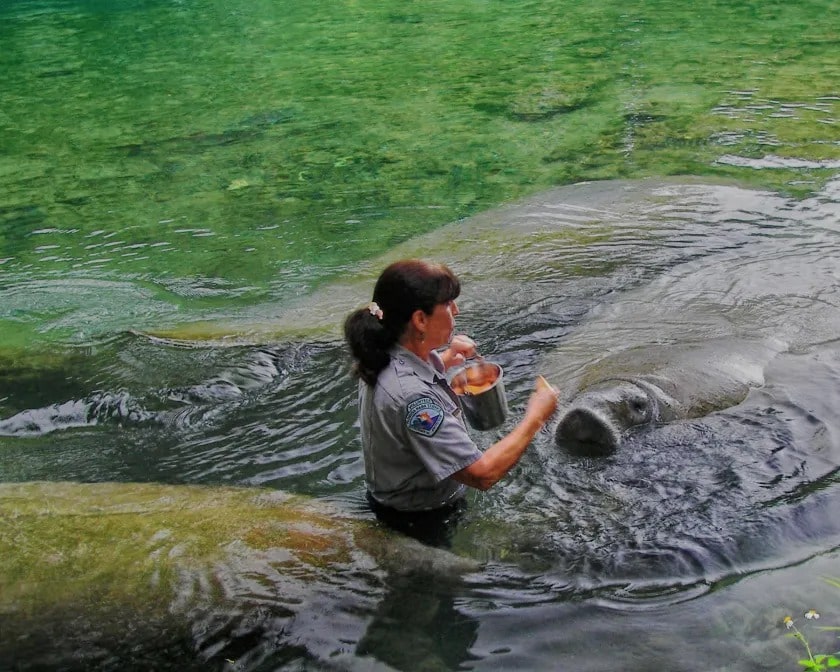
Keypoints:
pixel 657 384
pixel 193 576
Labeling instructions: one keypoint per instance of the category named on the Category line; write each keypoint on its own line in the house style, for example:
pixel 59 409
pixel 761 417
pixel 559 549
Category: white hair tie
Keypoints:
pixel 375 310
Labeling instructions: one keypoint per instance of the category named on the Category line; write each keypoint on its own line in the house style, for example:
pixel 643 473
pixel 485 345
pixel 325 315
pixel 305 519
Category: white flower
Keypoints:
pixel 811 614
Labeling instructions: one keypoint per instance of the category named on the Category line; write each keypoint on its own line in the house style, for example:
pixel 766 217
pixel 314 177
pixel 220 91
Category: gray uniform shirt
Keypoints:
pixel 413 435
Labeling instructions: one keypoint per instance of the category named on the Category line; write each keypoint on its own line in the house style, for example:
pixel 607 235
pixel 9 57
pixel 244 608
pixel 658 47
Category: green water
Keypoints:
pixel 187 159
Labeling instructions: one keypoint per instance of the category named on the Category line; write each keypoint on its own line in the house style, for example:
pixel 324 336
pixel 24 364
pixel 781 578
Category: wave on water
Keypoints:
pixel 247 373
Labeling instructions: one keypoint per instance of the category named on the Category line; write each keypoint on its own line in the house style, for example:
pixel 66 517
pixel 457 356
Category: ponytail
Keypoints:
pixel 369 340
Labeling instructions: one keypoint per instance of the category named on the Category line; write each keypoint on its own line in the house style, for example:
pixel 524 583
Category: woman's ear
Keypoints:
pixel 419 320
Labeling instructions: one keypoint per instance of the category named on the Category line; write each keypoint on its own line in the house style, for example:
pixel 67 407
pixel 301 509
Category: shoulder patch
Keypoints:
pixel 424 416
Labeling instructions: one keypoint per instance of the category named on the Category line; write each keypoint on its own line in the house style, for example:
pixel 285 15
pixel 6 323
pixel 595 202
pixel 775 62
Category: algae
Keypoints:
pixel 226 165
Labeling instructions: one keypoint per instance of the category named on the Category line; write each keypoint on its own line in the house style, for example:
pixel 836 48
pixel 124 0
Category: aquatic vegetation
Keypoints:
pixel 815 662
pixel 227 164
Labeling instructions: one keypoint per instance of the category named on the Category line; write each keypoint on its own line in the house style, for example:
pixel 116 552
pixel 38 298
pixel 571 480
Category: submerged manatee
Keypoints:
pixel 655 384
pixel 93 573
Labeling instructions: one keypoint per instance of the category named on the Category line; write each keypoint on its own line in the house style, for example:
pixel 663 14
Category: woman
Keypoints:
pixel 418 455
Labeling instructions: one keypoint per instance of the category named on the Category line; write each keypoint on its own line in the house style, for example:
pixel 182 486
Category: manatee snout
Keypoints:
pixel 585 430
pixel 598 418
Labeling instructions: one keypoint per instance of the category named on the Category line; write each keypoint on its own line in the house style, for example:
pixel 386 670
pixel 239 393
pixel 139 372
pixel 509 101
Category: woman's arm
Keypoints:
pixel 500 458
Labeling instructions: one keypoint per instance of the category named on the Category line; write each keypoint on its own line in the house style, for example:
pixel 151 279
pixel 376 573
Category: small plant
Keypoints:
pixel 814 662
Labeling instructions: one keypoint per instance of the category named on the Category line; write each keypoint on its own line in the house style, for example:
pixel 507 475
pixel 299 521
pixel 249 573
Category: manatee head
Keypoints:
pixel 596 419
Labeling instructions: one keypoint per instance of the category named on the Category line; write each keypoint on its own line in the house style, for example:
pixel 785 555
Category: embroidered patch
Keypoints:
pixel 424 416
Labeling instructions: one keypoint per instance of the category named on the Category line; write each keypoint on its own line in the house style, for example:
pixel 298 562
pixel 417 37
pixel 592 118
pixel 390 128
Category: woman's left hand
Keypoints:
pixel 460 349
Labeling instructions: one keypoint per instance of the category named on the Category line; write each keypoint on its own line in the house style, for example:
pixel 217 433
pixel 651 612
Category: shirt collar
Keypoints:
pixel 408 362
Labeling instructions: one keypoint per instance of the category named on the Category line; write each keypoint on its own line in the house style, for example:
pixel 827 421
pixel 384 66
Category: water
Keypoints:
pixel 195 194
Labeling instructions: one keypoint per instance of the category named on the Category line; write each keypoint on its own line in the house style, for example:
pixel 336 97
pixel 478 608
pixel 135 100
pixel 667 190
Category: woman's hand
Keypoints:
pixel 460 349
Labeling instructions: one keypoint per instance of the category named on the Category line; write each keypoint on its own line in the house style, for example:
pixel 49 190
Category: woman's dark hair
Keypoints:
pixel 402 288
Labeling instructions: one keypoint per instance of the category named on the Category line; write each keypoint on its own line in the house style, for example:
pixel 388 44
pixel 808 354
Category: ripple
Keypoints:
pixel 771 161
pixel 99 408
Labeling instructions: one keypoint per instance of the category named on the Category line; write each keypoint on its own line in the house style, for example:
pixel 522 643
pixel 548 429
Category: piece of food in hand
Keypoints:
pixel 543 384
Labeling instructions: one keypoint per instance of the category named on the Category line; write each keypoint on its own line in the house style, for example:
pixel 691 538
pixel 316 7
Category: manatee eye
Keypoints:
pixel 639 409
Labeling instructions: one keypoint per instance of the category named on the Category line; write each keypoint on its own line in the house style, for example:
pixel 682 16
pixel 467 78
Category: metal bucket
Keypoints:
pixel 481 389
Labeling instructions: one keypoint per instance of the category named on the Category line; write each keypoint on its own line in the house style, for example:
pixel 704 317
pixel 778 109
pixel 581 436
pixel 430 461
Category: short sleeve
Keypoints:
pixel 437 435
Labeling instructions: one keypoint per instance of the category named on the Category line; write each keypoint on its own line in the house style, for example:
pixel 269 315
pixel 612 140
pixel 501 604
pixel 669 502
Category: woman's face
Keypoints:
pixel 441 324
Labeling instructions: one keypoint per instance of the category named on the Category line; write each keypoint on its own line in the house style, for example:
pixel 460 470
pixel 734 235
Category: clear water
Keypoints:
pixel 186 158
pixel 193 194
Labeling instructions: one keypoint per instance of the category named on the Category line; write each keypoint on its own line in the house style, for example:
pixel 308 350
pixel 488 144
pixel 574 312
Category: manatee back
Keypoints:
pixel 699 377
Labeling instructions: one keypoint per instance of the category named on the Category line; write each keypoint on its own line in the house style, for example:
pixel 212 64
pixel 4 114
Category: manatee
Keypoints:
pixel 645 385
pixel 92 573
